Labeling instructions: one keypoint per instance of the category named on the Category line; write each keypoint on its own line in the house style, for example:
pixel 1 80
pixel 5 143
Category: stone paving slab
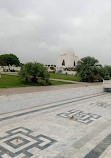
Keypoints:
pixel 80 129
pixel 28 100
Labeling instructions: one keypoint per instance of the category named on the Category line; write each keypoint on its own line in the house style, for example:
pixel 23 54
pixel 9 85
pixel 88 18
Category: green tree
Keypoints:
pixel 88 69
pixel 34 73
pixel 107 72
pixel 9 59
pixel 99 74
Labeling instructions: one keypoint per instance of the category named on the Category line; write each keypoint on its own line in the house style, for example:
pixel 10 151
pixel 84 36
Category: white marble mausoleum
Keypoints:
pixel 66 60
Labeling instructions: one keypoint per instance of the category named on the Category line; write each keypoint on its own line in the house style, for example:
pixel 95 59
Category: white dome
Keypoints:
pixel 68 52
pixel 67 59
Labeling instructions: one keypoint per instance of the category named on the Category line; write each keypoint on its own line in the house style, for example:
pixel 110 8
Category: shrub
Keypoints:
pixel 34 73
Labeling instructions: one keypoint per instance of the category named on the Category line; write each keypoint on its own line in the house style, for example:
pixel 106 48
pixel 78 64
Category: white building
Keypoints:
pixel 6 68
pixel 66 61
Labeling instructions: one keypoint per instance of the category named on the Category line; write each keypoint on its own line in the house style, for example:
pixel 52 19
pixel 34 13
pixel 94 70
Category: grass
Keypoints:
pixel 59 83
pixel 65 77
pixel 8 81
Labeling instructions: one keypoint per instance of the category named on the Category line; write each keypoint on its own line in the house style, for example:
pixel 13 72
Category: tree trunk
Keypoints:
pixel 34 79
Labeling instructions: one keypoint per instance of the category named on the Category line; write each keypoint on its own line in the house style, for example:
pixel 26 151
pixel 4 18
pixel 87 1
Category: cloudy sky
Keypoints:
pixel 39 30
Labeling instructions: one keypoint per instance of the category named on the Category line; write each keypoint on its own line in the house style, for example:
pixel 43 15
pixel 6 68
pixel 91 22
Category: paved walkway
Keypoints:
pixel 81 83
pixel 53 79
pixel 77 129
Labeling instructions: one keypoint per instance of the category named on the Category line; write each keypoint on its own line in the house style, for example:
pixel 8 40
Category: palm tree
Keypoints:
pixel 87 69
pixel 34 73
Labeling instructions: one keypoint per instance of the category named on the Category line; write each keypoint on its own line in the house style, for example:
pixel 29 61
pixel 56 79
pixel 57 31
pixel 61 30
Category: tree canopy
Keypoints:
pixel 89 69
pixel 9 59
pixel 34 73
pixel 107 72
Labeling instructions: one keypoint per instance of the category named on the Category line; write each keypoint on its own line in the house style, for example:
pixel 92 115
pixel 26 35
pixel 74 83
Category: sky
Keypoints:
pixel 40 30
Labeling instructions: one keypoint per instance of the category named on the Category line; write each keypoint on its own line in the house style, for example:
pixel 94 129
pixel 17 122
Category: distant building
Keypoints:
pixel 50 68
pixel 66 62
pixel 9 68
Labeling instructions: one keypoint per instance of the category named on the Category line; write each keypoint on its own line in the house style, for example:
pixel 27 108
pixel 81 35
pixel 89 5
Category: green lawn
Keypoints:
pixel 59 82
pixel 8 81
pixel 65 77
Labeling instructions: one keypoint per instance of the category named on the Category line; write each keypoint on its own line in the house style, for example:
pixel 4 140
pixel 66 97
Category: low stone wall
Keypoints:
pixel 69 72
pixel 10 73
pixel 11 68
pixel 22 101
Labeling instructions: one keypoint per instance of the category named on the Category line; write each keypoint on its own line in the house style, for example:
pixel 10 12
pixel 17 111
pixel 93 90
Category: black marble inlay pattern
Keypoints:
pixel 20 140
pixel 102 104
pixel 80 116
pixel 100 148
pixel 17 139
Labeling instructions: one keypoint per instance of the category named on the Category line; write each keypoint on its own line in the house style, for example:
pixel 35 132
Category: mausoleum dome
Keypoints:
pixel 68 52
pixel 67 60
